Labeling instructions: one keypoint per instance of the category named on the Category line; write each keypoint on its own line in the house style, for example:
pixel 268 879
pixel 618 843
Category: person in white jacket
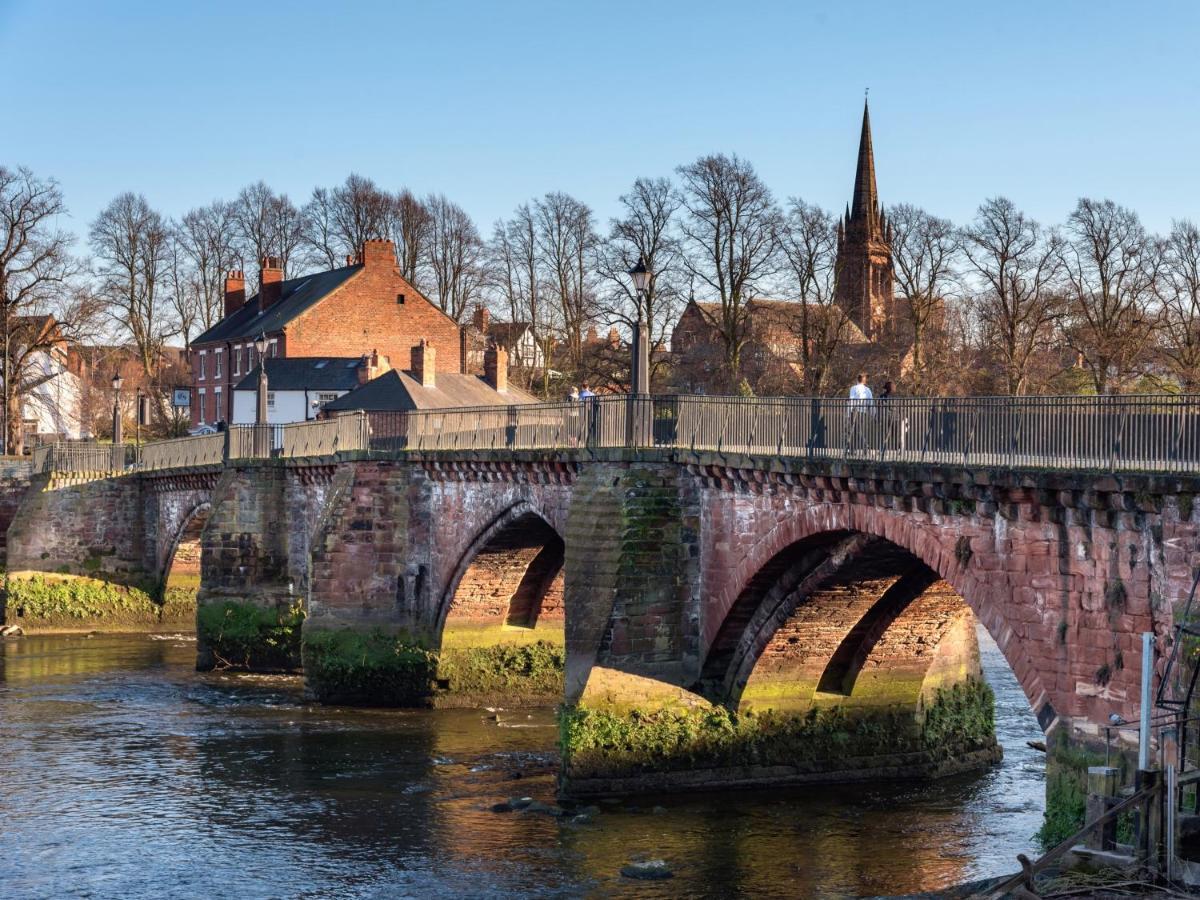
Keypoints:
pixel 861 401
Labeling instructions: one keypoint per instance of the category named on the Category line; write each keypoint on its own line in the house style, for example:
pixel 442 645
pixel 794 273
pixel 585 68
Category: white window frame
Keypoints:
pixel 201 398
pixel 270 400
pixel 217 411
pixel 218 357
pixel 273 348
pixel 237 359
pixel 203 365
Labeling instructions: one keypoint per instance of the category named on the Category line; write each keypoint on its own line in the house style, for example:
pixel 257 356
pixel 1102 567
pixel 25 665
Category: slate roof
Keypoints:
pixel 297 295
pixel 396 391
pixel 306 373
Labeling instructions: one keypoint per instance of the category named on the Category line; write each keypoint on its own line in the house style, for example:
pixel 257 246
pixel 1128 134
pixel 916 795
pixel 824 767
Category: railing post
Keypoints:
pixel 1101 789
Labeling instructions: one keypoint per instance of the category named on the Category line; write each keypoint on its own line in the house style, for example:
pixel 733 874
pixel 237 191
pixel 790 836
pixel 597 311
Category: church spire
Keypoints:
pixel 865 201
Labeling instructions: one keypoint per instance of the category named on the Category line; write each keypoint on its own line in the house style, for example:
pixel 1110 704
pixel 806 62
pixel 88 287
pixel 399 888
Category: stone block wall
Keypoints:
pixel 15 476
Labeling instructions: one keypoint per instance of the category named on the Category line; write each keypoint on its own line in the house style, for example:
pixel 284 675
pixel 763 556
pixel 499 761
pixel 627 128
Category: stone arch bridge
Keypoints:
pixel 680 585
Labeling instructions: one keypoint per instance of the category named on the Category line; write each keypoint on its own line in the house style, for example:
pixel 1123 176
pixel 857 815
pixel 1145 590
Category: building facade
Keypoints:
pixel 345 312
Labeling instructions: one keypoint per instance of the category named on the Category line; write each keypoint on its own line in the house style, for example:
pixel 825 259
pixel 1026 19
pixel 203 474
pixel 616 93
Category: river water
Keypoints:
pixel 123 773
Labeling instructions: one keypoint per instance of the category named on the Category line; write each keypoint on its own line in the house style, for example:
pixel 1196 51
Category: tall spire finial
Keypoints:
pixel 865 200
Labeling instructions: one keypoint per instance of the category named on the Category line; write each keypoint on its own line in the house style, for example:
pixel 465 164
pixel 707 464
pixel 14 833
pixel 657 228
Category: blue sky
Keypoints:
pixel 493 103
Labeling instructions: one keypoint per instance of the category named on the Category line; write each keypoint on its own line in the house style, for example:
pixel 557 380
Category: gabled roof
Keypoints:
pixel 786 312
pixel 306 373
pixel 297 295
pixel 396 391
pixel 507 333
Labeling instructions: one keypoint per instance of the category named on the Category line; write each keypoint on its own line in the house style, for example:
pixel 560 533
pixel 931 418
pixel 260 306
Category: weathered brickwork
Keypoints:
pixel 406 544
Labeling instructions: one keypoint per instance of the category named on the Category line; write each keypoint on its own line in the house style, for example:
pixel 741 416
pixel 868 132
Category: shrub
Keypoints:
pixel 245 636
pixel 347 666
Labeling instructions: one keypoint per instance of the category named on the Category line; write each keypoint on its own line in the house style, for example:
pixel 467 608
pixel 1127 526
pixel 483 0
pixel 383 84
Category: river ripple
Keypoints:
pixel 125 774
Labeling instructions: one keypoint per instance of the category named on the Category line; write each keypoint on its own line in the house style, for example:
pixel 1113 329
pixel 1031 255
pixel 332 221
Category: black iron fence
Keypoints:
pixel 1156 433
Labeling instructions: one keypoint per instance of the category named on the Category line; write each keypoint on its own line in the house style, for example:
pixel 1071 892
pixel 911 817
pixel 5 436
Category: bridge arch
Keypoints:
pixel 815 549
pixel 179 575
pixel 502 611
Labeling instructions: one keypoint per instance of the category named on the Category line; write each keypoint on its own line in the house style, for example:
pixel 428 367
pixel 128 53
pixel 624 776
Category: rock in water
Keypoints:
pixel 648 870
pixel 11 631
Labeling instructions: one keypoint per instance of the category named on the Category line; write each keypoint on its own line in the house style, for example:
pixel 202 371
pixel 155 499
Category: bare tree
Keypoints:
pixel 517 277
pixel 360 212
pixel 1179 292
pixel 36 279
pixel 203 255
pixel 644 230
pixel 132 243
pixel 268 224
pixel 320 229
pixel 408 226
pixel 731 232
pixel 1112 266
pixel 809 243
pixel 923 250
pixel 566 240
pixel 1020 301
pixel 456 257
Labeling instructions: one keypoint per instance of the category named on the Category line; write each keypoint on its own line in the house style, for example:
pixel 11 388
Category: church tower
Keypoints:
pixel 864 248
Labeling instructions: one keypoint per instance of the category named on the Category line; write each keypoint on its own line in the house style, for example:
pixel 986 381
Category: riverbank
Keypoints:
pixel 60 603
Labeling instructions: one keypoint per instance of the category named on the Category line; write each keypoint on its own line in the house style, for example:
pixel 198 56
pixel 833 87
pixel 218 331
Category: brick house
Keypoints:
pixel 359 308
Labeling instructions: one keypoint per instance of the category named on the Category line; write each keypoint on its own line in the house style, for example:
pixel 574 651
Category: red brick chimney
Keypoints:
pixel 495 368
pixel 482 319
pixel 235 291
pixel 271 282
pixel 372 365
pixel 424 361
pixel 378 253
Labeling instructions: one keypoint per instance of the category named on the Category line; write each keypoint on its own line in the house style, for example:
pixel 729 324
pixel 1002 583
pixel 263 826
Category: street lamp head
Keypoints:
pixel 117 381
pixel 260 344
pixel 640 275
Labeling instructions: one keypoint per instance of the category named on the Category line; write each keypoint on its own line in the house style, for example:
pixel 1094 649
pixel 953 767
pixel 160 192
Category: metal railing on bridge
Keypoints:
pixel 1141 433
pixel 1153 433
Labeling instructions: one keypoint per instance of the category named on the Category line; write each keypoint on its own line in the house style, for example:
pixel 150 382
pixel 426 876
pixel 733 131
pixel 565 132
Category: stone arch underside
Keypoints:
pixel 944 551
pixel 179 583
pixel 841 619
pixel 508 585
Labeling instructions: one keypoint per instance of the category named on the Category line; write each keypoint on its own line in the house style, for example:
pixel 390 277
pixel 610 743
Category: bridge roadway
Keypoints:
pixel 787 555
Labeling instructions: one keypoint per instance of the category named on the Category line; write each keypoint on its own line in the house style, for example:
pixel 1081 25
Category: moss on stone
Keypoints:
pixel 49 601
pixel 602 743
pixel 367 668
pixel 505 670
pixel 380 669
pixel 246 636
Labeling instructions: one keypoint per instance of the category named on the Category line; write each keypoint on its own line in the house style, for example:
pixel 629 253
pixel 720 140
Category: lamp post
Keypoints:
pixel 260 345
pixel 137 437
pixel 117 381
pixel 641 338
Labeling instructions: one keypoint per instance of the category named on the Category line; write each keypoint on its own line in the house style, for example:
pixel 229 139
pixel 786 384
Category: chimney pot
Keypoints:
pixel 270 283
pixel 235 291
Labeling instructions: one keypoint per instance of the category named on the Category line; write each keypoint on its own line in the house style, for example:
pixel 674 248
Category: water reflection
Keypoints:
pixel 126 774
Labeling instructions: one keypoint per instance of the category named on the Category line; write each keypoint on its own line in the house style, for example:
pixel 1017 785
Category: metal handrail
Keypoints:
pixel 1141 433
